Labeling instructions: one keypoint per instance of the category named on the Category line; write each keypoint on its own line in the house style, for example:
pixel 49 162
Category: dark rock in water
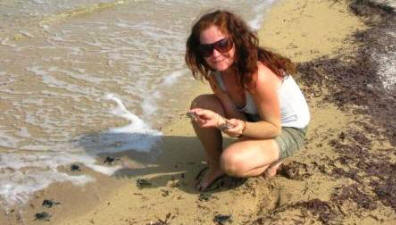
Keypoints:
pixel 75 167
pixel 42 216
pixel 221 219
pixel 141 183
pixel 110 160
pixel 49 203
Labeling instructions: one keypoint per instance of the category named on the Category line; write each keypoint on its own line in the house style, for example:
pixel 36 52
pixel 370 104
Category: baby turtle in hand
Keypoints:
pixel 49 203
pixel 191 115
pixel 42 216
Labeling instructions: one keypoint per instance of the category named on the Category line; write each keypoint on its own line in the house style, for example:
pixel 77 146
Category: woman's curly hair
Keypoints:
pixel 247 50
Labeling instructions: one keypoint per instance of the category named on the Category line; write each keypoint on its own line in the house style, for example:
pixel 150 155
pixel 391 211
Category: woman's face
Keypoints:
pixel 217 60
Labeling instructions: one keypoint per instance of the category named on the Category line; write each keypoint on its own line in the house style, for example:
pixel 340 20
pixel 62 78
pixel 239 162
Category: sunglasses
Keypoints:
pixel 223 46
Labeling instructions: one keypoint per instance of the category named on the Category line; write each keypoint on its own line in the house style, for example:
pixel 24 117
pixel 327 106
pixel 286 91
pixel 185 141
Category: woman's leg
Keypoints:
pixel 210 138
pixel 248 158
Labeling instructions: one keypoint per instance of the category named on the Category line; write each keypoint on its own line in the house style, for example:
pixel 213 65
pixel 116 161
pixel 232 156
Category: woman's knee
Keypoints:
pixel 207 101
pixel 232 164
pixel 240 158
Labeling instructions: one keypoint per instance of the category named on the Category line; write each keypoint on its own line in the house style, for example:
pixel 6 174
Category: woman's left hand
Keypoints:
pixel 234 127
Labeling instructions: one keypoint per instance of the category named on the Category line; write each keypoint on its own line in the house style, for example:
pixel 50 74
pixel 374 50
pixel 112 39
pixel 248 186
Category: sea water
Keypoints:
pixel 83 77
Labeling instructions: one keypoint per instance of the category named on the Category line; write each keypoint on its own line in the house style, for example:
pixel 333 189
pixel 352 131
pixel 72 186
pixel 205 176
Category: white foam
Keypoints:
pixel 23 132
pixel 137 135
pixel 255 23
pixel 52 81
pixel 19 187
pixel 149 105
pixel 7 140
pixel 173 77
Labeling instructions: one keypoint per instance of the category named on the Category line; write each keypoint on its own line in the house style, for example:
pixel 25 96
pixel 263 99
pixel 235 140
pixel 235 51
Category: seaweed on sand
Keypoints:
pixel 355 82
pixel 353 193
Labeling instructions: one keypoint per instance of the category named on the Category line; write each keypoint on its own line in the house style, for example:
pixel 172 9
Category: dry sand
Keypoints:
pixel 316 186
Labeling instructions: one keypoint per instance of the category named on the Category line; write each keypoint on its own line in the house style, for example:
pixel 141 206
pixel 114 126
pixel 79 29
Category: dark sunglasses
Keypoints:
pixel 223 46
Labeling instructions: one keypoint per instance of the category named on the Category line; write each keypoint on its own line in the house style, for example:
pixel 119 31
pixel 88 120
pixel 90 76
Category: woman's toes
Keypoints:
pixel 271 171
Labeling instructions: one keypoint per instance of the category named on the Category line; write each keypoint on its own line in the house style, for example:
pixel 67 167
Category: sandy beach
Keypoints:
pixel 344 174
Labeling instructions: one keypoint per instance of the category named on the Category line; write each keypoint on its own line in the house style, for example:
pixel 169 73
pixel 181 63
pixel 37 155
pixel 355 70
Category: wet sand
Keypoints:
pixel 344 174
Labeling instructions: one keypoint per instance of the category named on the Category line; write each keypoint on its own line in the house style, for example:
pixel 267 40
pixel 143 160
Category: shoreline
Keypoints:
pixel 316 171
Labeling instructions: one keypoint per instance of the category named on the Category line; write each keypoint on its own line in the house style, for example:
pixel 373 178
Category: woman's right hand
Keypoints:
pixel 206 118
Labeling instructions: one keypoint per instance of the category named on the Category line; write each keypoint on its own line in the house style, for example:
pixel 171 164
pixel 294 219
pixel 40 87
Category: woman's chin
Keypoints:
pixel 221 67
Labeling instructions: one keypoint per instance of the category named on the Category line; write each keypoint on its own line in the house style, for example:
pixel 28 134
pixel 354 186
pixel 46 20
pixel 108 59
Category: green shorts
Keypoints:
pixel 290 140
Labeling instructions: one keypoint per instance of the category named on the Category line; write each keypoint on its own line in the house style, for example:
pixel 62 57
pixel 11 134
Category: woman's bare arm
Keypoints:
pixel 266 98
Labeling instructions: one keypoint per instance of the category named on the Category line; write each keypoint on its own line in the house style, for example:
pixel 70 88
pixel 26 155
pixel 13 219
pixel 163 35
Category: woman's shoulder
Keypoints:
pixel 265 77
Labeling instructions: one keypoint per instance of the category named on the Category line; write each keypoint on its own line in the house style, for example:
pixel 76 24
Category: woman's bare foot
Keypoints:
pixel 273 168
pixel 207 177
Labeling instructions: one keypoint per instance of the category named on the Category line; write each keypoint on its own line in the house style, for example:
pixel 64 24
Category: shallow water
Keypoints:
pixel 79 78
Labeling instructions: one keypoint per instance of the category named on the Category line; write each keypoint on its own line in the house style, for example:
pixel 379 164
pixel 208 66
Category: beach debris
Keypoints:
pixel 42 216
pixel 295 170
pixel 221 219
pixel 342 136
pixel 317 207
pixel 164 192
pixel 162 222
pixel 49 203
pixel 204 196
pixel 75 167
pixel 110 160
pixel 141 183
pixel 353 193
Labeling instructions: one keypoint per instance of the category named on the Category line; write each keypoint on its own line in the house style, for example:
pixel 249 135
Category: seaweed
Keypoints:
pixel 319 208
pixel 353 193
pixel 49 203
pixel 222 219
pixel 44 216
pixel 295 170
pixel 163 222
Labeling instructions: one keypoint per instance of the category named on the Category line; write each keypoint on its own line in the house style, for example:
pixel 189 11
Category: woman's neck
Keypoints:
pixel 231 78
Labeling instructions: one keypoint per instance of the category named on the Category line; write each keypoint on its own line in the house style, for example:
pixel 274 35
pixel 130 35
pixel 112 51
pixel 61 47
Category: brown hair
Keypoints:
pixel 247 50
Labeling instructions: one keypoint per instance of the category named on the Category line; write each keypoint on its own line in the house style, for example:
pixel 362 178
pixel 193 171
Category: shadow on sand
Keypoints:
pixel 171 161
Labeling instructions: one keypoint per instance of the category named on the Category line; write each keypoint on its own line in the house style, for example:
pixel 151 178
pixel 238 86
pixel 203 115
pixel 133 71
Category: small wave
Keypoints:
pixel 82 11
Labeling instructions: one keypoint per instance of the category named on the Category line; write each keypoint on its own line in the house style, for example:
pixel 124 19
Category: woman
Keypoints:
pixel 255 99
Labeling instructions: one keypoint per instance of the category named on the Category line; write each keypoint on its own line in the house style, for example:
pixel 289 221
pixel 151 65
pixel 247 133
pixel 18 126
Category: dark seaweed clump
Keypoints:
pixel 353 82
pixel 295 170
pixel 356 80
pixel 353 193
pixel 165 221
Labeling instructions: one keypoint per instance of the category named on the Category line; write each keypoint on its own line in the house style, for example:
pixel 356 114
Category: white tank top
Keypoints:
pixel 294 109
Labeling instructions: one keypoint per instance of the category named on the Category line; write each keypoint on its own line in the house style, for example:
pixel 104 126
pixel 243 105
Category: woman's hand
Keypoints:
pixel 234 127
pixel 207 118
